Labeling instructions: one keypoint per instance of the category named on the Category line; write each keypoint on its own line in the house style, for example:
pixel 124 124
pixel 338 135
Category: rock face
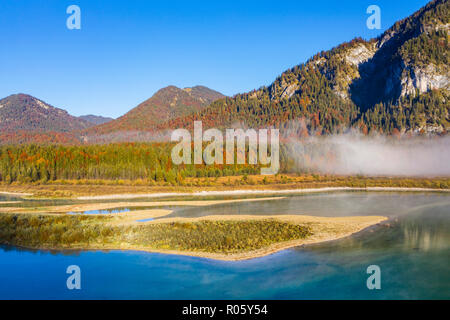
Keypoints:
pixel 289 90
pixel 360 54
pixel 423 80
pixel 410 58
pixel 410 71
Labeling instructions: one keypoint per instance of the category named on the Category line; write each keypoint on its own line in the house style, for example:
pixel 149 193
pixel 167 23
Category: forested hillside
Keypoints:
pixel 32 163
pixel 26 119
pixel 396 83
pixel 168 103
pixel 21 112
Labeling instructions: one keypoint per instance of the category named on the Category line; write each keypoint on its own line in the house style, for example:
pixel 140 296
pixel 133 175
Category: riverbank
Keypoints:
pixel 257 192
pixel 105 189
pixel 85 207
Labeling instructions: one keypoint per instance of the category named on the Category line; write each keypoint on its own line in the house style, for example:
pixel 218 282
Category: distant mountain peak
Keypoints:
pixel 95 120
pixel 167 103
pixel 27 113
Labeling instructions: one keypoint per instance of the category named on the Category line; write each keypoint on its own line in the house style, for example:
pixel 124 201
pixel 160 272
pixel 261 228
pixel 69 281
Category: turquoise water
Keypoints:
pixel 106 211
pixel 412 250
pixel 145 220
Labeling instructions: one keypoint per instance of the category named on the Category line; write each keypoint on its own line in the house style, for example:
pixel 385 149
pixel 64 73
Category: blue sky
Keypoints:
pixel 127 50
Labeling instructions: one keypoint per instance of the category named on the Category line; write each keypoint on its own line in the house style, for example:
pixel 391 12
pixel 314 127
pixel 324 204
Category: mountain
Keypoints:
pixel 21 112
pixel 168 103
pixel 25 119
pixel 95 120
pixel 396 83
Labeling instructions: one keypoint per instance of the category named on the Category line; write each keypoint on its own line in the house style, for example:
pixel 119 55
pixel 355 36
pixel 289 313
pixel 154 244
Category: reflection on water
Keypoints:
pixel 412 250
pixel 422 232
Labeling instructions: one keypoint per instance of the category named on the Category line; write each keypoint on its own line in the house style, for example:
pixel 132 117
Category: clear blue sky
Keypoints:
pixel 127 50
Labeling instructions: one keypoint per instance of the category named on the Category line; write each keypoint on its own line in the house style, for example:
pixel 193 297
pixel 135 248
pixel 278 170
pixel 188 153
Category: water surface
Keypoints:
pixel 412 250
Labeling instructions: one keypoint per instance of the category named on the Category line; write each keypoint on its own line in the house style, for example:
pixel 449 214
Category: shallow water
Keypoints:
pixel 338 204
pixel 413 252
pixel 145 220
pixel 107 211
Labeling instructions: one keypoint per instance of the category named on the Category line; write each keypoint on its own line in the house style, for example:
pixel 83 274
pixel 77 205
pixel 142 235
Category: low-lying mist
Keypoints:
pixel 353 154
pixel 349 153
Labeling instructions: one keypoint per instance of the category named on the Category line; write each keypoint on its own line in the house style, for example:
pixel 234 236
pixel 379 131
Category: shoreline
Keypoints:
pixel 150 206
pixel 17 194
pixel 202 186
pixel 327 228
pixel 257 192
pixel 260 253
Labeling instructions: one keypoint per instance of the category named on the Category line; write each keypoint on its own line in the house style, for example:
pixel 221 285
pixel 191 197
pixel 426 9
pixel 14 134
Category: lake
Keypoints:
pixel 412 250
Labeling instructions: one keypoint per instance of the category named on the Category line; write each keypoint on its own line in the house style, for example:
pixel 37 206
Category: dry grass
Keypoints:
pixel 218 237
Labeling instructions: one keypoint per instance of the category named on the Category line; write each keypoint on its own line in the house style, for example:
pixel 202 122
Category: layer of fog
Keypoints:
pixel 353 154
pixel 344 154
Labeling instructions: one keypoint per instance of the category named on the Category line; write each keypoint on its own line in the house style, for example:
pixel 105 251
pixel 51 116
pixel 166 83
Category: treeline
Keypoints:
pixel 24 137
pixel 151 164
pixel 131 161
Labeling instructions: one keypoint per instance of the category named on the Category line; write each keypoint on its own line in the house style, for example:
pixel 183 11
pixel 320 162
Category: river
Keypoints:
pixel 412 251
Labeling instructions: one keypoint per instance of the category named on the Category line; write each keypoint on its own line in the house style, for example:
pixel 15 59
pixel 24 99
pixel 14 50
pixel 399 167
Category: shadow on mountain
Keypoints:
pixel 380 76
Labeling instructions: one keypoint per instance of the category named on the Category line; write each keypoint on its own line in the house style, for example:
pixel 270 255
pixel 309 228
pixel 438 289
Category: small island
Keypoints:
pixel 222 237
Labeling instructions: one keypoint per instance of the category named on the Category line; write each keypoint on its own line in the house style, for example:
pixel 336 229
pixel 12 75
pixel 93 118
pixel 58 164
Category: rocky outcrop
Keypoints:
pixel 290 90
pixel 360 54
pixel 423 79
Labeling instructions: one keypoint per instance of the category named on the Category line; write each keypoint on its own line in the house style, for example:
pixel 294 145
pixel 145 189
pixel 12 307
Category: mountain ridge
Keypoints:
pixel 27 113
pixel 167 103
pixel 397 82
pixel 95 120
